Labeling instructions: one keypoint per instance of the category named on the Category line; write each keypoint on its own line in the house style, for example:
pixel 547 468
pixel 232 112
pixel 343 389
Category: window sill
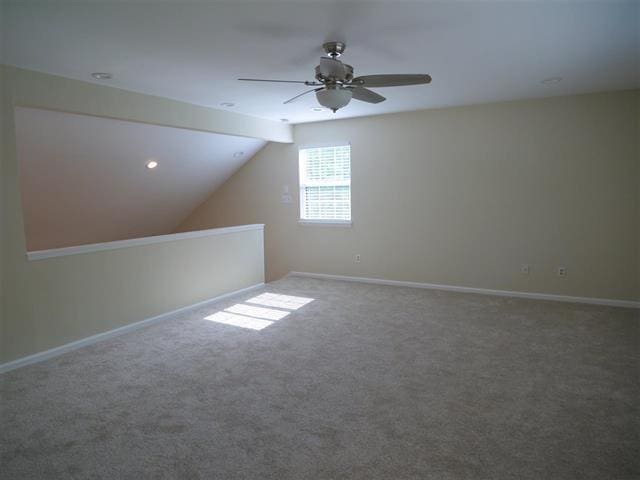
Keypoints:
pixel 326 223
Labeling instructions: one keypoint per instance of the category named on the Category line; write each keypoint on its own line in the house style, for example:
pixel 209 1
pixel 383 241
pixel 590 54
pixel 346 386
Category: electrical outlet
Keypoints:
pixel 358 258
pixel 524 269
pixel 562 271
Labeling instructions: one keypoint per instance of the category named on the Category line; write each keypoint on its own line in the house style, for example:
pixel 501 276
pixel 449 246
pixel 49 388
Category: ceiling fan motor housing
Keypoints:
pixel 345 76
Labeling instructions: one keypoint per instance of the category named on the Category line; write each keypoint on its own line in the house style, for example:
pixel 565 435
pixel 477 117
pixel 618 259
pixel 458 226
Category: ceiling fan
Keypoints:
pixel 337 85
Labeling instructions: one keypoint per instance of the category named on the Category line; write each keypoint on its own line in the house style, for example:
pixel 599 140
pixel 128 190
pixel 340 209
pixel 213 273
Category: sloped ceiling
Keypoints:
pixel 84 179
pixel 476 51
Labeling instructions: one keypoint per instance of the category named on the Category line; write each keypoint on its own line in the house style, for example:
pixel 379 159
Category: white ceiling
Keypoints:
pixel 84 178
pixel 476 51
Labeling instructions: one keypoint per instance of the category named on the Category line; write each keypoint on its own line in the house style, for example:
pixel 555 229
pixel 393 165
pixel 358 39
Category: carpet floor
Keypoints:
pixel 317 379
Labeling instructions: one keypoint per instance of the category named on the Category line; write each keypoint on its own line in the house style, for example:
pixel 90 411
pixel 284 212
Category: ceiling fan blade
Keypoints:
pixel 366 95
pixel 374 81
pixel 303 93
pixel 332 68
pixel 278 81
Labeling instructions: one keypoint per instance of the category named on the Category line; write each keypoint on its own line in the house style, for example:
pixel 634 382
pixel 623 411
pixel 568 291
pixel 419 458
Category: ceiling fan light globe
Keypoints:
pixel 334 98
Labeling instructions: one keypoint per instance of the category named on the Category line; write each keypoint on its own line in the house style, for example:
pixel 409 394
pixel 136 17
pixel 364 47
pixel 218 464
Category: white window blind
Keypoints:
pixel 325 183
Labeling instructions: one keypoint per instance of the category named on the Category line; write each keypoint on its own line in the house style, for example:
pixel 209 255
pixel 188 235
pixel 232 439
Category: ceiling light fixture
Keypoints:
pixel 238 154
pixel 102 75
pixel 284 119
pixel 333 97
pixel 551 80
pixel 227 104
pixel 151 164
pixel 316 109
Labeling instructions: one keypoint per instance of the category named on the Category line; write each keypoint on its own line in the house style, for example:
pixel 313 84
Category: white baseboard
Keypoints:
pixel 483 291
pixel 54 352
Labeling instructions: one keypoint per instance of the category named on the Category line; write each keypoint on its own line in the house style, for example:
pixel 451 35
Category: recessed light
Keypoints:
pixel 151 164
pixel 102 75
pixel 238 154
pixel 316 109
pixel 284 119
pixel 551 80
pixel 227 104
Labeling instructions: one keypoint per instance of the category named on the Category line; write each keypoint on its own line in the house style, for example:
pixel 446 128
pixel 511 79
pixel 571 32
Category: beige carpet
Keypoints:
pixel 338 381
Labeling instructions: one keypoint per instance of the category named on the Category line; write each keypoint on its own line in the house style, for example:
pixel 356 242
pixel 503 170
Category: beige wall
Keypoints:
pixel 49 302
pixel 463 196
pixel 59 300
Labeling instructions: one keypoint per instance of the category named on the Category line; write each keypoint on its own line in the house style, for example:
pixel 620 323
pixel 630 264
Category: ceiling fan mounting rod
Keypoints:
pixel 334 49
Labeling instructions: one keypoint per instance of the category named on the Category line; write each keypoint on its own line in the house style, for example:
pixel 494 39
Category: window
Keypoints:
pixel 325 184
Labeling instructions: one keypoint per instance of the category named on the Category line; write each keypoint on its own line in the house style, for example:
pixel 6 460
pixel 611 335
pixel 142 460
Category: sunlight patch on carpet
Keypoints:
pixel 257 312
pixel 255 315
pixel 239 320
pixel 288 302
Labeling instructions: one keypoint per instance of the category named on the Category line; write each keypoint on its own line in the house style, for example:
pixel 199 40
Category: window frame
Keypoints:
pixel 301 190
